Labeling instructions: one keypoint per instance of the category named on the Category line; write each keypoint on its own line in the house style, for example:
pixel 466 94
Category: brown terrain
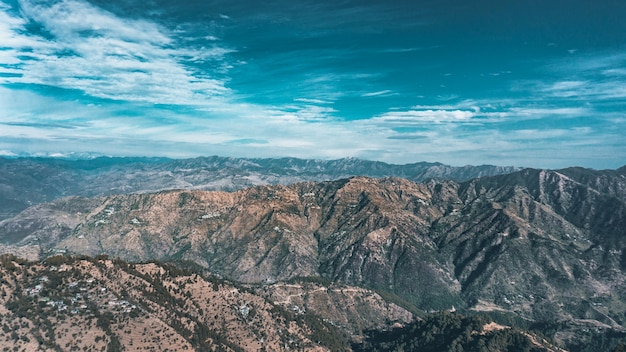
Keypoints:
pixel 100 304
pixel 542 246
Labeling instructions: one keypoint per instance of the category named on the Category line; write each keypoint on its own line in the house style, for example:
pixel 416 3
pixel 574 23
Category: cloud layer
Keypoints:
pixel 270 81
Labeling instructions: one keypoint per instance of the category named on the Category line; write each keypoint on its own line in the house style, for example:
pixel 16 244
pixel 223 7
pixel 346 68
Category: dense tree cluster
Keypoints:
pixel 448 332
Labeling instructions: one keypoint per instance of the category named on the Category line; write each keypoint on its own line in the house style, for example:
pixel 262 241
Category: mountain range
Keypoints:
pixel 542 248
pixel 28 181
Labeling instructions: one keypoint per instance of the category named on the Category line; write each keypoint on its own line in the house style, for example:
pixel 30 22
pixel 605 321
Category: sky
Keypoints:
pixel 526 83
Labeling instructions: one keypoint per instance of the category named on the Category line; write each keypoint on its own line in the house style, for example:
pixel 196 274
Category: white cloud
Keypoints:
pixel 590 77
pixel 66 20
pixel 313 101
pixel 423 116
pixel 378 93
pixel 618 72
pixel 288 134
pixel 139 62
pixel 547 112
pixel 6 153
pixel 104 56
pixel 587 90
pixel 461 105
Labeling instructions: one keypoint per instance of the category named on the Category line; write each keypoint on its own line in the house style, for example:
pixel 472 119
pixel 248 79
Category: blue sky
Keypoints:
pixel 525 83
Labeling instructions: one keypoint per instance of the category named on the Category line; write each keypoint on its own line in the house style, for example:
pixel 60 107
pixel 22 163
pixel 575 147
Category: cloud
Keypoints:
pixel 376 94
pixel 249 131
pixel 462 112
pixel 68 19
pixel 38 125
pixel 7 153
pixel 615 72
pixel 85 48
pixel 591 77
pixel 427 116
pixel 130 86
pixel 598 89
pixel 537 113
pixel 313 101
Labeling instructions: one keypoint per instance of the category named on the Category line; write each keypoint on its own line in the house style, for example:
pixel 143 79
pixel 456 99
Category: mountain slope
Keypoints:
pixel 542 245
pixel 261 234
pixel 97 303
pixel 69 303
pixel 28 181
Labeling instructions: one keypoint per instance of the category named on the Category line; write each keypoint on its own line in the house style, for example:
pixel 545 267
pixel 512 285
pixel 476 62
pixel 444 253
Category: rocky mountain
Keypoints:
pixel 96 304
pixel 542 246
pixel 28 181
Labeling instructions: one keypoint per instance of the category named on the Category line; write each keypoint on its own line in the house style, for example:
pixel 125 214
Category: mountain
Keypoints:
pixel 359 231
pixel 97 304
pixel 540 245
pixel 28 181
pixel 70 303
pixel 454 332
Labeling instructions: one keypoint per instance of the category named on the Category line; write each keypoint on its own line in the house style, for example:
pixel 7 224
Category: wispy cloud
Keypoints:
pixel 312 101
pixel 590 77
pixel 75 77
pixel 86 48
pixel 546 112
pixel 378 93
pixel 427 116
pixel 248 130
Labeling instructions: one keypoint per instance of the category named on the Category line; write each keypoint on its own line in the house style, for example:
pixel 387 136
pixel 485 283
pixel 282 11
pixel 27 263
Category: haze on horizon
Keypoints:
pixel 533 83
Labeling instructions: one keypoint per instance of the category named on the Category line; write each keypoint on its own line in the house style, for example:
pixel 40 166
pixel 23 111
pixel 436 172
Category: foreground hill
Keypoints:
pixel 96 304
pixel 28 181
pixel 90 304
pixel 539 245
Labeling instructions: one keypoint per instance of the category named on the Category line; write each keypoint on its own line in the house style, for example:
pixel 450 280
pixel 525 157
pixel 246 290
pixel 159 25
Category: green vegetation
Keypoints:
pixel 448 332
pixel 168 290
pixel 324 333
pixel 603 341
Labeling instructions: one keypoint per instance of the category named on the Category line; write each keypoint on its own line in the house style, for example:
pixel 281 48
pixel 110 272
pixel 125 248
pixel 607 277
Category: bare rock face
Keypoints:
pixel 543 245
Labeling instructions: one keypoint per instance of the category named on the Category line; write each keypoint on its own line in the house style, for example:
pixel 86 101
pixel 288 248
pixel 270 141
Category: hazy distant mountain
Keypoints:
pixel 546 246
pixel 29 181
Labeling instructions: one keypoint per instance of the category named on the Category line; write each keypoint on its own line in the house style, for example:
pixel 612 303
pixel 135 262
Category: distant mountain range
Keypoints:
pixel 28 181
pixel 541 246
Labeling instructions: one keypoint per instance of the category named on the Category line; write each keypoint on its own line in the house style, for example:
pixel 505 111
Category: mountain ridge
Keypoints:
pixel 542 245
pixel 365 232
pixel 28 181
